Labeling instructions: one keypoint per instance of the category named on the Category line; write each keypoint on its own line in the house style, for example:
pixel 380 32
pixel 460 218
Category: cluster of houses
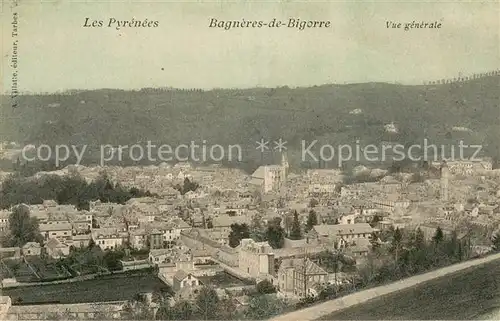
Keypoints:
pixel 187 235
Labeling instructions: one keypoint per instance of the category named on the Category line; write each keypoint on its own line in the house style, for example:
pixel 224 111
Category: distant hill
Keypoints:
pixel 334 114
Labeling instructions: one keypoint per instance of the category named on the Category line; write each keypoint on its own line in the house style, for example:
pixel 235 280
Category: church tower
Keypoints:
pixel 445 175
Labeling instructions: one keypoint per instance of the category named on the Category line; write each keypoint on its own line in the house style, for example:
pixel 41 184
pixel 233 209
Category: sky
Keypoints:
pixel 55 51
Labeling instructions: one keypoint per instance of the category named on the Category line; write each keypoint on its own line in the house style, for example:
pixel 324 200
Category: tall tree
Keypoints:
pixel 275 234
pixel 23 228
pixel 265 287
pixel 396 243
pixel 374 221
pixel 438 236
pixel 238 232
pixel 257 231
pixel 207 302
pixel 288 223
pixel 374 241
pixel 312 220
pixel 183 310
pixel 296 232
pixel 419 241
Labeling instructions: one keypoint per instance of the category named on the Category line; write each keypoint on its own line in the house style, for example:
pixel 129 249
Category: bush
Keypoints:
pixel 265 287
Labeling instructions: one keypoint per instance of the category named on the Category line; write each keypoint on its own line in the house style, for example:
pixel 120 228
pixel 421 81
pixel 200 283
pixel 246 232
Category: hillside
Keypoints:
pixel 244 116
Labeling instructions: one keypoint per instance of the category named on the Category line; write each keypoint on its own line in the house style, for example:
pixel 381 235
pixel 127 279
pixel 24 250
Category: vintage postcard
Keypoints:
pixel 249 160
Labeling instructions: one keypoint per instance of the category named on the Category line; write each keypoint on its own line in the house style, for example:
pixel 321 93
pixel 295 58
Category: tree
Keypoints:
pixel 374 241
pixel 275 234
pixel 183 310
pixel 288 222
pixel 206 303
pixel 91 244
pixel 23 228
pixel 265 287
pixel 296 232
pixel 312 220
pixel 396 243
pixel 313 203
pixel 496 242
pixel 419 241
pixel 238 232
pixel 187 186
pixel 227 310
pixel 375 219
pixel 257 232
pixel 438 236
pixel 263 307
pixel 112 259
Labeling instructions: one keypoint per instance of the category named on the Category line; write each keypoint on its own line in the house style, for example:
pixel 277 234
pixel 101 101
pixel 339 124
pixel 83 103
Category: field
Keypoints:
pixel 33 270
pixel 111 288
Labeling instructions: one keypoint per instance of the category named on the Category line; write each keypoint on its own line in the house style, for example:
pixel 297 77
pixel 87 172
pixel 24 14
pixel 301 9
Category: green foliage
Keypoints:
pixel 415 255
pixel 183 310
pixel 188 186
pixel 275 234
pixel 23 228
pixel 374 221
pixel 264 306
pixel 312 220
pixel 265 287
pixel 133 116
pixel 496 242
pixel 333 261
pixel 296 231
pixel 112 259
pixel 257 231
pixel 238 232
pixel 207 302
pixel 374 241
pixel 313 202
pixel 438 236
pixel 69 189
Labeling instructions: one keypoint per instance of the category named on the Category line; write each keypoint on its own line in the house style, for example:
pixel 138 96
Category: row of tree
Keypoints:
pixel 461 79
pixel 406 253
pixel 273 232
pixel 70 189
pixel 208 306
